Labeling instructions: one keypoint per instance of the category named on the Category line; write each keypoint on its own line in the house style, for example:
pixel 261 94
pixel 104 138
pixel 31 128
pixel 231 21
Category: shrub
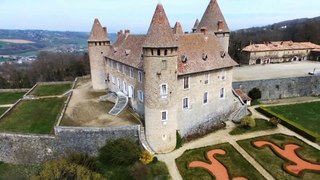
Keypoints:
pixel 274 121
pixel 159 169
pixel 139 171
pixel 62 169
pixel 179 141
pixel 83 160
pixel 119 152
pixel 255 94
pixel 248 122
pixel 146 157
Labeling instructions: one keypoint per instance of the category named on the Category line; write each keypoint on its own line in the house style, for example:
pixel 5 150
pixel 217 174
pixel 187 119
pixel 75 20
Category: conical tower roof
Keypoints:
pixel 97 32
pixel 177 28
pixel 196 24
pixel 160 34
pixel 211 18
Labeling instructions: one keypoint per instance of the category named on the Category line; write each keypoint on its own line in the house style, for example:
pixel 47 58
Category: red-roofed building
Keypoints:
pixel 277 52
pixel 176 81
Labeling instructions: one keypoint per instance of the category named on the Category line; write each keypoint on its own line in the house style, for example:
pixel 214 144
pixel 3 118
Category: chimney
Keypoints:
pixel 127 32
pixel 120 33
pixel 220 25
pixel 105 30
pixel 204 30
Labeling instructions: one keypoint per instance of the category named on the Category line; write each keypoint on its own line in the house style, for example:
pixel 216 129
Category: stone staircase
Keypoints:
pixel 121 103
pixel 240 109
pixel 143 140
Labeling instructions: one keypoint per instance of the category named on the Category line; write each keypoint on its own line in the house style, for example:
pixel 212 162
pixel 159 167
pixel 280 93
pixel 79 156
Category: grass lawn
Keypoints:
pixel 10 97
pixel 51 90
pixel 307 114
pixel 2 110
pixel 10 171
pixel 235 163
pixel 36 116
pixel 273 164
pixel 261 125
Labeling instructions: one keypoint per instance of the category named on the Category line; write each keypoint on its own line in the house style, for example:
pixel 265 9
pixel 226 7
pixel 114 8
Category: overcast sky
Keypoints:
pixel 78 15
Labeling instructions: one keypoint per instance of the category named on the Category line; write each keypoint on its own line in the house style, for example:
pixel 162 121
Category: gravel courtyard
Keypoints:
pixel 271 71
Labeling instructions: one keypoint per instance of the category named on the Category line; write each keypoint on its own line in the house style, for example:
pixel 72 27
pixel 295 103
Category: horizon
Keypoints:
pixel 78 16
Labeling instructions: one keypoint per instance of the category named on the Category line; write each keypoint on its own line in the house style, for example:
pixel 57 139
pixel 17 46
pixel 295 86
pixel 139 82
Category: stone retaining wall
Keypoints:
pixel 282 87
pixel 32 149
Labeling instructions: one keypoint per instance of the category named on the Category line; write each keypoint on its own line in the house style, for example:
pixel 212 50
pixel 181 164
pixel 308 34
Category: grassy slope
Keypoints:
pixel 261 125
pixel 10 171
pixel 51 90
pixel 273 163
pixel 37 116
pixel 306 114
pixel 10 97
pixel 235 163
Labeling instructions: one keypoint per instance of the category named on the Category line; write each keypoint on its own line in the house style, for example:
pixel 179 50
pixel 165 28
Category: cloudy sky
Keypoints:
pixel 78 15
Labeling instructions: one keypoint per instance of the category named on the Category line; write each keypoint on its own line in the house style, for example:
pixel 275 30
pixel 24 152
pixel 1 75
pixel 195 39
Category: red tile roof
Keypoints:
pixel 195 47
pixel 97 32
pixel 280 46
pixel 242 95
pixel 196 24
pixel 316 50
pixel 211 18
pixel 160 32
pixel 177 28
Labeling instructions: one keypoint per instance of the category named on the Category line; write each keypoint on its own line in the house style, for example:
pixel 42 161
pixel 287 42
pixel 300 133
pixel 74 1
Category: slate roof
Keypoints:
pixel 280 46
pixel 195 46
pixel 97 32
pixel 211 18
pixel 160 34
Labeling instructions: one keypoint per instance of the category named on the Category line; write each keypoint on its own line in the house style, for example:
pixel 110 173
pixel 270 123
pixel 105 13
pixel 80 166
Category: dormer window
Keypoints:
pixel 204 56
pixel 184 58
pixel 115 50
pixel 127 52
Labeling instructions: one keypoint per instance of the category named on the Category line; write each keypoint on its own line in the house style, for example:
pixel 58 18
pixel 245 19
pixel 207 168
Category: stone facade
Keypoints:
pixel 283 87
pixel 176 81
pixel 276 52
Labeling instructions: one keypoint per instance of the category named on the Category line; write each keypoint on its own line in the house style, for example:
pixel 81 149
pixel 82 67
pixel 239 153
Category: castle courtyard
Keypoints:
pixel 272 71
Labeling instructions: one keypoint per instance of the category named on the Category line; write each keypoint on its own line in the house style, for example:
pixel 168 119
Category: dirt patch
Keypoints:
pixel 16 41
pixel 85 109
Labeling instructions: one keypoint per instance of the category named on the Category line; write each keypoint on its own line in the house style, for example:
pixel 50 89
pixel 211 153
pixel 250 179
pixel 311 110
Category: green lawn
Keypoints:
pixel 2 110
pixel 10 97
pixel 20 172
pixel 36 116
pixel 261 125
pixel 306 114
pixel 51 90
pixel 235 163
pixel 273 164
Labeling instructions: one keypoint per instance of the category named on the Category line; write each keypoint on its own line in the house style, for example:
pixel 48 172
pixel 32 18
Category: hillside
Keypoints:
pixel 298 30
pixel 42 40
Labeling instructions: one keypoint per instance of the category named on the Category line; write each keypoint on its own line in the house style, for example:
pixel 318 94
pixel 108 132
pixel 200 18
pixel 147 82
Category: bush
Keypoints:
pixel 159 169
pixel 248 122
pixel 146 157
pixel 179 141
pixel 139 171
pixel 62 169
pixel 255 94
pixel 274 121
pixel 84 160
pixel 119 152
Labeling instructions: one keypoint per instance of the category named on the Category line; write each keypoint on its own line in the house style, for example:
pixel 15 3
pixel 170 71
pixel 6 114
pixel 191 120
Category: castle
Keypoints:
pixel 176 81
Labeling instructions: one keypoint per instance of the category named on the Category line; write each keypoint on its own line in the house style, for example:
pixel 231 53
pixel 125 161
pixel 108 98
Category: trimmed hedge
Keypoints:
pixel 312 136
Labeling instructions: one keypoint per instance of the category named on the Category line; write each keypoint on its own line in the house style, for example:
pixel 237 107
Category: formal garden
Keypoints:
pixel 51 89
pixel 10 97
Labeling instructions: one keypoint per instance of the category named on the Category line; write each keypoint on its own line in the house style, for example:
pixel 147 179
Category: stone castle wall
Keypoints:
pixel 31 149
pixel 282 87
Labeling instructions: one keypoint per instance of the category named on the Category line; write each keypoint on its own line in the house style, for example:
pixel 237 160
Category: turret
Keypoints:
pixel 99 46
pixel 160 66
pixel 213 20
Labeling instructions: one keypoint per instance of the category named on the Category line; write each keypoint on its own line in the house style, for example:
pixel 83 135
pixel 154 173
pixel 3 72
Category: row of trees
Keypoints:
pixel 296 30
pixel 49 66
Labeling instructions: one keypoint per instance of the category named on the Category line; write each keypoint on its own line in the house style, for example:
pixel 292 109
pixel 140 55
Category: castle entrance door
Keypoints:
pixel 258 61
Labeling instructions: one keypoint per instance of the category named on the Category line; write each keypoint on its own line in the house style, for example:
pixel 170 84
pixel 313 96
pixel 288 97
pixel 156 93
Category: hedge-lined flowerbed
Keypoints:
pixel 310 135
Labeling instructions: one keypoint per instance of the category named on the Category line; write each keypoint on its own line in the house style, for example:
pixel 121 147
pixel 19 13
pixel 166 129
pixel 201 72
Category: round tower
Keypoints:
pixel 160 67
pixel 99 46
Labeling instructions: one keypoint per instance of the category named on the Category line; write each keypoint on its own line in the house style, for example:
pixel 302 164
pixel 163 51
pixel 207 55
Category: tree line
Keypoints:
pixel 49 66
pixel 299 30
